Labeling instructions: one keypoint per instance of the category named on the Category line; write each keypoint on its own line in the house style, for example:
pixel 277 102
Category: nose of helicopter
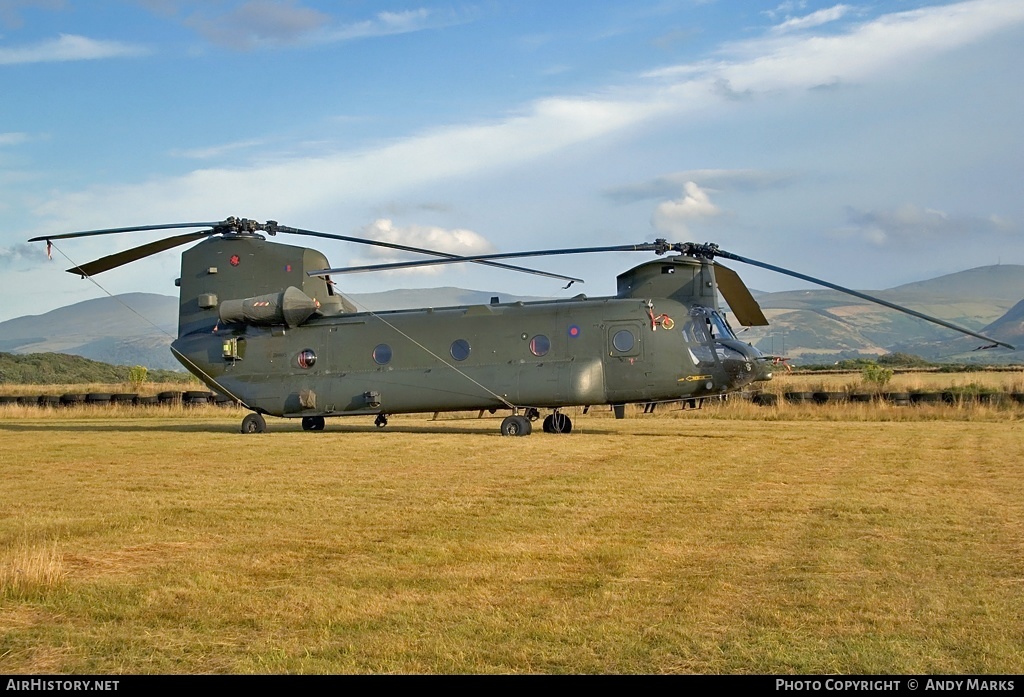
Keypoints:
pixel 743 364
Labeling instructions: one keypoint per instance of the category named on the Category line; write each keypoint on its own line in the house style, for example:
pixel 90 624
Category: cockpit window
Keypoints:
pixel 720 328
pixel 695 330
pixel 706 325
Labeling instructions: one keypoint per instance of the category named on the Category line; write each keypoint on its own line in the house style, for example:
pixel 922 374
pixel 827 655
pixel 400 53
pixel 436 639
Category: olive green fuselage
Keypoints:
pixel 654 341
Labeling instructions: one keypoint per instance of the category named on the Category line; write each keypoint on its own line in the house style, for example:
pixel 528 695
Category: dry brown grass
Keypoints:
pixel 1007 381
pixel 675 543
pixel 149 388
pixel 28 569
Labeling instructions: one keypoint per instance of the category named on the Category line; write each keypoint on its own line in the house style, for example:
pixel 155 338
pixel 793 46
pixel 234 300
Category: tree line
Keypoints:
pixel 65 369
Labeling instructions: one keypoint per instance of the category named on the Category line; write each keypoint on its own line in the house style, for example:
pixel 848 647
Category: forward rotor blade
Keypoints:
pixel 656 247
pixel 419 250
pixel 738 296
pixel 135 253
pixel 863 296
pixel 116 230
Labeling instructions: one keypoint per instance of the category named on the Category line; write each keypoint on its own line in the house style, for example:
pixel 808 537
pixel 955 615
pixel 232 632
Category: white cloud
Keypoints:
pixel 798 61
pixel 297 186
pixel 68 47
pixel 911 225
pixel 215 151
pixel 13 138
pixel 269 23
pixel 18 253
pixel 719 179
pixel 259 23
pixel 460 242
pixel 815 19
pixel 675 216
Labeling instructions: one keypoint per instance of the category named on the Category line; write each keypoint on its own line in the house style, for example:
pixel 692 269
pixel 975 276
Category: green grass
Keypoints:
pixel 680 543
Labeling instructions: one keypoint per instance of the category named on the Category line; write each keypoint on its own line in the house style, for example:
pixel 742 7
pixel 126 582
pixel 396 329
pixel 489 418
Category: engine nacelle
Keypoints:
pixel 291 308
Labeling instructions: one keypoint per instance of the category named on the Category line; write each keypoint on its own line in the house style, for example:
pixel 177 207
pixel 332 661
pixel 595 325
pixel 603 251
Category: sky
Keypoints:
pixel 867 143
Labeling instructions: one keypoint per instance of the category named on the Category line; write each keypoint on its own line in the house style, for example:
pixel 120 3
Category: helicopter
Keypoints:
pixel 263 323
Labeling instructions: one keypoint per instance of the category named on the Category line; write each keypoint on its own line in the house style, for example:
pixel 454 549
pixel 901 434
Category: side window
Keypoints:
pixel 460 349
pixel 540 345
pixel 624 339
pixel 382 354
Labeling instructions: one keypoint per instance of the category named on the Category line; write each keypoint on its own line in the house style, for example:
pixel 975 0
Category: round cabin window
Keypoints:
pixel 540 345
pixel 382 354
pixel 460 349
pixel 623 341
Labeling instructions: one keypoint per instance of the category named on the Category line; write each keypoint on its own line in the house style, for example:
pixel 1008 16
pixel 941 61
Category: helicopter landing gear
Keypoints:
pixel 516 425
pixel 381 421
pixel 254 423
pixel 532 413
pixel 557 423
pixel 313 423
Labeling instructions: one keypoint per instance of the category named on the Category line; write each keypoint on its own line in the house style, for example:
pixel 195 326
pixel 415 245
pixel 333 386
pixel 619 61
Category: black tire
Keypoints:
pixel 198 396
pixel 254 423
pixel 557 423
pixel 313 423
pixel 516 426
pixel 900 399
pixel 124 398
pixel 926 397
pixel 98 398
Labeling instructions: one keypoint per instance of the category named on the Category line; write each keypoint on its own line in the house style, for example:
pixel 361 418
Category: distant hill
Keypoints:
pixel 809 324
pixel 137 328
pixel 1001 283
pixel 103 329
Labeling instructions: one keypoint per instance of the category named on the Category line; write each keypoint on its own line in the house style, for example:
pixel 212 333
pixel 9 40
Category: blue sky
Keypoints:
pixel 868 143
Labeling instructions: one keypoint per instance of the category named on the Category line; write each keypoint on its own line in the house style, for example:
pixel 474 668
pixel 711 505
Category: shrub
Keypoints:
pixel 876 375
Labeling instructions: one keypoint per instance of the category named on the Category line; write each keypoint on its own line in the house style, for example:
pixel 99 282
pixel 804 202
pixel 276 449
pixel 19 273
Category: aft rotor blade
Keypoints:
pixel 738 296
pixel 116 230
pixel 863 296
pixel 135 253
pixel 657 247
pixel 419 250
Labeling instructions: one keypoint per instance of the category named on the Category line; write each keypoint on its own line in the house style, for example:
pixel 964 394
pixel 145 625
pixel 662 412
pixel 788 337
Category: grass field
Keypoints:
pixel 731 539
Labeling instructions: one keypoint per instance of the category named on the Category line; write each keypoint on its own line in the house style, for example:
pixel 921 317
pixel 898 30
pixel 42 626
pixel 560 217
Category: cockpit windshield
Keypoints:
pixel 720 328
pixel 707 325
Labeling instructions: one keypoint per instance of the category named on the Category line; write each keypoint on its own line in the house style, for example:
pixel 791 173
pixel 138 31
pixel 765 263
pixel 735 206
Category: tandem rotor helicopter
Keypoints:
pixel 263 323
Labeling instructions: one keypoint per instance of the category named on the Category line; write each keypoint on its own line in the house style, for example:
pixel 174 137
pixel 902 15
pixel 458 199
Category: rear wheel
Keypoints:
pixel 312 423
pixel 557 423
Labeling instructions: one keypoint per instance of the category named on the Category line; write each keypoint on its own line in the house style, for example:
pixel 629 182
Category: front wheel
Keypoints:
pixel 254 423
pixel 516 426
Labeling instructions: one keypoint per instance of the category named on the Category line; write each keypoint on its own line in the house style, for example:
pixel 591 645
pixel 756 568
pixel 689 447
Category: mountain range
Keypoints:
pixel 808 326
